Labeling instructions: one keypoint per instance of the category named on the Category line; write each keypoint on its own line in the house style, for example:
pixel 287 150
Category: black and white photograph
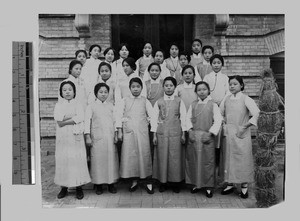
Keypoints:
pixel 162 110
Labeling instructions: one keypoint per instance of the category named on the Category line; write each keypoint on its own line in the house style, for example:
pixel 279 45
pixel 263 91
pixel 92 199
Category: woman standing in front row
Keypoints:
pixel 168 125
pixel 237 149
pixel 203 122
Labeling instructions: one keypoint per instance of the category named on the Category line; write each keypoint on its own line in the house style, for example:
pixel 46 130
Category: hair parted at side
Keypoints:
pixel 64 83
pixel 94 46
pixel 136 80
pixel 204 83
pixel 98 86
pixel 72 64
pixel 207 47
pixel 169 78
pixel 131 62
pixel 239 79
pixel 187 67
pixel 153 64
pixel 104 64
pixel 80 51
pixel 216 56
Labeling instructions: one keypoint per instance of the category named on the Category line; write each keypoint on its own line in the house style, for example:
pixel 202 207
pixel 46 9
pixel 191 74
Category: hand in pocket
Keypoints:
pixel 206 138
pixel 241 132
pixel 192 138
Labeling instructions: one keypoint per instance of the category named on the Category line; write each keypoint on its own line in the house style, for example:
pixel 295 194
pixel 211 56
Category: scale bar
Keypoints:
pixel 23 122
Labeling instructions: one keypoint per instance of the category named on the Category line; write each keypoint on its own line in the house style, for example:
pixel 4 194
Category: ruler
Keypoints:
pixel 22 114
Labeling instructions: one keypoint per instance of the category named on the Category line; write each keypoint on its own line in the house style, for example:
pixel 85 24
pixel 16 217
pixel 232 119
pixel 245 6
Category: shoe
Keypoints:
pixel 162 188
pixel 112 188
pixel 195 190
pixel 79 193
pixel 133 188
pixel 99 189
pixel 225 192
pixel 176 189
pixel 148 190
pixel 63 192
pixel 244 195
pixel 209 195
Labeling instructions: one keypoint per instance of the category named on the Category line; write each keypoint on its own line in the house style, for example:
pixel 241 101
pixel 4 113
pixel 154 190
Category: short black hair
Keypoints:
pixel 67 82
pixel 216 56
pixel 107 50
pixel 98 86
pixel 121 46
pixel 207 47
pixel 131 62
pixel 170 79
pixel 72 64
pixel 104 64
pixel 162 51
pixel 79 51
pixel 202 82
pixel 239 79
pixel 137 80
pixel 197 39
pixel 152 64
pixel 186 67
pixel 93 46
pixel 187 55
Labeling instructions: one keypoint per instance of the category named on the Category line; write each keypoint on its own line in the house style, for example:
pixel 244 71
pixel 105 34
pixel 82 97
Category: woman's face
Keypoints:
pixel 183 61
pixel 95 52
pixel 127 69
pixel 234 86
pixel 102 94
pixel 216 65
pixel 207 54
pixel 159 57
pixel 169 87
pixel 147 50
pixel 67 92
pixel 76 70
pixel 135 89
pixel 124 52
pixel 202 91
pixel 174 51
pixel 110 56
pixel 154 72
pixel 81 57
pixel 196 47
pixel 105 73
pixel 188 75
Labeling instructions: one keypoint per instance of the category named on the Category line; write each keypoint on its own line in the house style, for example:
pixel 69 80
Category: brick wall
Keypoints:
pixel 246 45
pixel 59 39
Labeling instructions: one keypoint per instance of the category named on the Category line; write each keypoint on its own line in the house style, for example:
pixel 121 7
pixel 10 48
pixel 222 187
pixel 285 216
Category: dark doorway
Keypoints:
pixel 160 30
pixel 277 65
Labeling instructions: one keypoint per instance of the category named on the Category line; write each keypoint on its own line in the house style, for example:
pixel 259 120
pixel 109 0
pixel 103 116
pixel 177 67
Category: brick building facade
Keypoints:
pixel 249 43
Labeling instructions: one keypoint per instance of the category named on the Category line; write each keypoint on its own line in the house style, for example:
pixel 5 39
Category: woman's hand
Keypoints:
pixel 206 138
pixel 88 140
pixel 192 138
pixel 116 137
pixel 120 135
pixel 154 139
pixel 183 138
pixel 241 131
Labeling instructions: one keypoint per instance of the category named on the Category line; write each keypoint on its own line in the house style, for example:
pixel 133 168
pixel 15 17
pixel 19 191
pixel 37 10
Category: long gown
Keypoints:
pixel 169 155
pixel 237 153
pixel 99 122
pixel 71 168
pixel 200 157
pixel 135 152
